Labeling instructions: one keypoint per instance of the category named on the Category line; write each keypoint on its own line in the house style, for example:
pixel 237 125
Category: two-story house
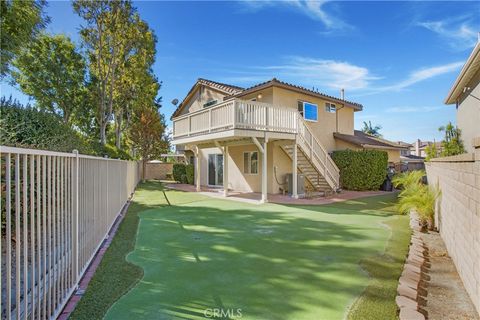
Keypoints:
pixel 250 140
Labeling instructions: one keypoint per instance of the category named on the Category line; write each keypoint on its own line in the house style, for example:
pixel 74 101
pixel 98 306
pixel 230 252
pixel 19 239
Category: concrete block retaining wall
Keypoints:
pixel 457 214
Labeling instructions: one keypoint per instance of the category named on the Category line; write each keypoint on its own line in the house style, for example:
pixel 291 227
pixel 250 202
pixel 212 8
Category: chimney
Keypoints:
pixel 417 148
pixel 342 94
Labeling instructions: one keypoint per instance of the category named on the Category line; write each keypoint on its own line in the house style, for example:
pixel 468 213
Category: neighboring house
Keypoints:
pixel 465 93
pixel 419 148
pixel 266 132
pixel 407 146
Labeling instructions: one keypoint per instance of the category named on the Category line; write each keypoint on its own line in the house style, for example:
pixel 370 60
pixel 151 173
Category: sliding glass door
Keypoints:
pixel 215 169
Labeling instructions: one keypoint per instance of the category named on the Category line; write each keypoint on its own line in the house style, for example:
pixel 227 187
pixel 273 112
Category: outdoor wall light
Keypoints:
pixel 259 96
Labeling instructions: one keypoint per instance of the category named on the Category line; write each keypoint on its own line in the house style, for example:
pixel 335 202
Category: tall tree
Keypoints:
pixel 111 37
pixel 20 22
pixel 452 143
pixel 52 71
pixel 136 84
pixel 146 135
pixel 368 128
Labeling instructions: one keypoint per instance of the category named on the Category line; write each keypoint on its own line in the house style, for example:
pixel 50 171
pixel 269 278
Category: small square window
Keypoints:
pixel 330 107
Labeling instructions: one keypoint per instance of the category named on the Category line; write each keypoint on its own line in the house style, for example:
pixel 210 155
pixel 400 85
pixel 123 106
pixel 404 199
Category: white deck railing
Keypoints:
pixel 57 208
pixel 252 115
pixel 235 114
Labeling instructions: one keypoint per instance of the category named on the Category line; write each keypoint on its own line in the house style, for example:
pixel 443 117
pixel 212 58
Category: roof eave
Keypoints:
pixel 280 84
pixel 456 89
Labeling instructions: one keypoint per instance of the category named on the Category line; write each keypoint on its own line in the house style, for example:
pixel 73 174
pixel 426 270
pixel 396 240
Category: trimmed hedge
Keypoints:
pixel 179 172
pixel 26 127
pixel 361 170
pixel 189 171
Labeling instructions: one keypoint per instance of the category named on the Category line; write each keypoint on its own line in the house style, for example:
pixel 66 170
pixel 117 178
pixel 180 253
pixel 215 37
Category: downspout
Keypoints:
pixel 342 96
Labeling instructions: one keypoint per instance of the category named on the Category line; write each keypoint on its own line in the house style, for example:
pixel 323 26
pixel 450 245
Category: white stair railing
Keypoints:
pixel 317 154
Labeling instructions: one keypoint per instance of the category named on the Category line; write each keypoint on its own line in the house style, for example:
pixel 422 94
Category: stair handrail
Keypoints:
pixel 331 169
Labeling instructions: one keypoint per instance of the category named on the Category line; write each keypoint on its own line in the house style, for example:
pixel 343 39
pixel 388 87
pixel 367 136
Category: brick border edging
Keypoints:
pixel 92 267
pixel 411 290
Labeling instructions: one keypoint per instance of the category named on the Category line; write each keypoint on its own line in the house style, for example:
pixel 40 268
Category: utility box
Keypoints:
pixel 300 183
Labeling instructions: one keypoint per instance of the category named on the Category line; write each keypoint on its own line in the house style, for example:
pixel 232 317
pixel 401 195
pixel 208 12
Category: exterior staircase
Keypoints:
pixel 306 167
pixel 313 160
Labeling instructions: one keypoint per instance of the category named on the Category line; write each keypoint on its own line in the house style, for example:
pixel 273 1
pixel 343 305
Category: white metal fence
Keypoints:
pixel 56 208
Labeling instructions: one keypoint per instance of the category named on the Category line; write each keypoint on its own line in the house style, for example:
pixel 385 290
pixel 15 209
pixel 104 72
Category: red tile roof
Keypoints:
pixel 276 82
pixel 236 91
pixel 223 87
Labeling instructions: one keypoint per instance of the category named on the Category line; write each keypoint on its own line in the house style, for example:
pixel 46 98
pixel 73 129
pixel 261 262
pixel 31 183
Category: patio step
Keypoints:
pixel 312 174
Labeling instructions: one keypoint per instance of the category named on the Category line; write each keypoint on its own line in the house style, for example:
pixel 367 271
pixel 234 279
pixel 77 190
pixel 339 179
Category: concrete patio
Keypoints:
pixel 255 197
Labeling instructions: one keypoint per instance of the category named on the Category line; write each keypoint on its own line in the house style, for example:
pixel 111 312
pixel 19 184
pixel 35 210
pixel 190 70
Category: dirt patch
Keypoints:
pixel 447 298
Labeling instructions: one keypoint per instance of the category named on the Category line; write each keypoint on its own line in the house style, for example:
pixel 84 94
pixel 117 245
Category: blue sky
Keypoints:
pixel 398 59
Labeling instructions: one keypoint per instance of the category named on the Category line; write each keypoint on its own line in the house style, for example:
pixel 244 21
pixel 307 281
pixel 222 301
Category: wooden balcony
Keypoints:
pixel 235 118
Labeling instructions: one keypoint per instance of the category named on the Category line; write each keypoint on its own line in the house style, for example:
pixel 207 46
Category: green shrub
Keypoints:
pixel 183 179
pixel 110 151
pixel 178 171
pixel 26 127
pixel 189 171
pixel 361 170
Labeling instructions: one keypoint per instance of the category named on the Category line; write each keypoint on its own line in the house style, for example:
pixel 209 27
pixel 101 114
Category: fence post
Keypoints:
pixel 75 217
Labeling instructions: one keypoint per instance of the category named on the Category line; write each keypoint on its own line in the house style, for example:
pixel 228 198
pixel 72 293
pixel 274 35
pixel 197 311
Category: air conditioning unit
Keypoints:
pixel 300 183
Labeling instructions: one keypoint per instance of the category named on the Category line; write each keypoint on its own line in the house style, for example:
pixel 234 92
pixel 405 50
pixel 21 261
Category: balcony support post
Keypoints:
pixel 264 172
pixel 225 171
pixel 294 172
pixel 198 168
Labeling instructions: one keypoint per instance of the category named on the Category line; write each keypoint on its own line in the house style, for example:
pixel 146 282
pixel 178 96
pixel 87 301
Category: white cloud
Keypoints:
pixel 415 77
pixel 459 33
pixel 409 109
pixel 313 9
pixel 324 73
pixel 423 74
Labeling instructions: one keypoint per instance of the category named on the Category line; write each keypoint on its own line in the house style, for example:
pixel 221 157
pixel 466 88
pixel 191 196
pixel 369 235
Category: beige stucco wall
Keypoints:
pixel 327 122
pixel 266 96
pixel 458 216
pixel 239 181
pixel 201 96
pixel 468 113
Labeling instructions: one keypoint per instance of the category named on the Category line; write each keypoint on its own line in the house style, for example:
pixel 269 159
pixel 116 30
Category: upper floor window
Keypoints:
pixel 308 110
pixel 209 103
pixel 330 107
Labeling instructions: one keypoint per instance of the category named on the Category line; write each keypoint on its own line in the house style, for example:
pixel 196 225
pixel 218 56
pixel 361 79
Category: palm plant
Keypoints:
pixel 371 130
pixel 416 196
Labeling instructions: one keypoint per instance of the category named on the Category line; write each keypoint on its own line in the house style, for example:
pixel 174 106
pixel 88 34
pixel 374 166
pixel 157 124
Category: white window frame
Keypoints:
pixel 302 112
pixel 249 162
pixel 330 107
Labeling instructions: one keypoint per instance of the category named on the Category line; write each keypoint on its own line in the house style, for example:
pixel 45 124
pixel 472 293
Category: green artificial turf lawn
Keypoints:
pixel 270 261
